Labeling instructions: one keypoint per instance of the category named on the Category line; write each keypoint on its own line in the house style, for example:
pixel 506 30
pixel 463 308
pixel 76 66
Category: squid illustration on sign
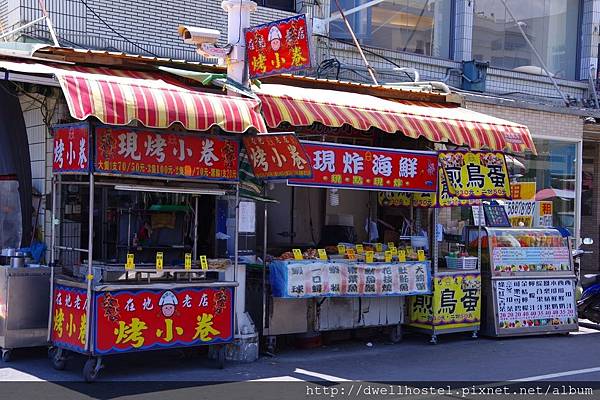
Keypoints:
pixel 168 303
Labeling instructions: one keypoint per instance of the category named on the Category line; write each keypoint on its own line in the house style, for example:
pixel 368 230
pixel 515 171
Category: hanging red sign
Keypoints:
pixel 370 168
pixel 278 47
pixel 144 319
pixel 71 148
pixel 277 156
pixel 140 152
pixel 69 319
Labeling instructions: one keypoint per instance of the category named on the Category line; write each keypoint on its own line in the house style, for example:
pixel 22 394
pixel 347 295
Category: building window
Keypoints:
pixel 554 172
pixel 286 5
pixel 414 26
pixel 551 25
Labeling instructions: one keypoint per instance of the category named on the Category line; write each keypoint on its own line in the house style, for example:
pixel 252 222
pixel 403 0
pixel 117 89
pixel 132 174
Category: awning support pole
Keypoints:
pixel 195 229
pixel 265 323
pixel 236 245
pixel 55 186
pixel 89 276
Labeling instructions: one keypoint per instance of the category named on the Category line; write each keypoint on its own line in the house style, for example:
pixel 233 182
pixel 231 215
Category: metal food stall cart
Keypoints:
pixel 120 305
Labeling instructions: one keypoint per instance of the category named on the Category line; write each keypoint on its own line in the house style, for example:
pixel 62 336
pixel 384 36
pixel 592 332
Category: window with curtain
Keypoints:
pixel 414 26
pixel 551 25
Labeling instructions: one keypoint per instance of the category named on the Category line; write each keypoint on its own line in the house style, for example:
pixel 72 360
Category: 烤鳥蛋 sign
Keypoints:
pixel 278 47
pixel 370 168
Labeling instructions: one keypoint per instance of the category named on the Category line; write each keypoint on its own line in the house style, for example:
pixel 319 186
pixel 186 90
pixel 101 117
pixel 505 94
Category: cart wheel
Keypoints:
pixel 221 355
pixel 396 334
pixel 6 355
pixel 434 339
pixel 91 369
pixel 59 361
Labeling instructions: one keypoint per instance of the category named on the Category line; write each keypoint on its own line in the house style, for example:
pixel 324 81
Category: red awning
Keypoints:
pixel 436 122
pixel 118 97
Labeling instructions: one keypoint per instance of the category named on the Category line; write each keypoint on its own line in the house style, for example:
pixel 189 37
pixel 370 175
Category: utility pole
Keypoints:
pixel 238 18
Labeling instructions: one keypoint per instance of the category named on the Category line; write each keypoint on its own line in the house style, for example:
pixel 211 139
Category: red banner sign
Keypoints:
pixel 143 319
pixel 71 148
pixel 69 319
pixel 139 152
pixel 277 156
pixel 371 168
pixel 278 47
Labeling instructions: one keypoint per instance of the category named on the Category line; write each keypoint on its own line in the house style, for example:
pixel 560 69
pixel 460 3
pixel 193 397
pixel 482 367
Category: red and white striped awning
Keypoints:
pixel 118 97
pixel 435 122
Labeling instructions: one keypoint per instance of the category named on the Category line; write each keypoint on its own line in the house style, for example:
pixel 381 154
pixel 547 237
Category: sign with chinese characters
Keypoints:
pixel 495 215
pixel 145 319
pixel 520 212
pixel 277 156
pixel 71 148
pixel 543 214
pixel 455 303
pixel 130 151
pixel 476 174
pixel 523 190
pixel 69 319
pixel 531 259
pixel 535 304
pixel 370 168
pixel 348 279
pixel 278 47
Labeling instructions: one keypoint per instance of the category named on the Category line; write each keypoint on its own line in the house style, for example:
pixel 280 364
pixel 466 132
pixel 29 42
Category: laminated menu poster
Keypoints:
pixel 346 279
pixel 531 259
pixel 533 303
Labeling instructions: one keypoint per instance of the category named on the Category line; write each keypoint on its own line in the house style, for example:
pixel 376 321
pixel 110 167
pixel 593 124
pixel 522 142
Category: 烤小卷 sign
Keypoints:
pixel 277 156
pixel 71 148
pixel 278 47
pixel 129 151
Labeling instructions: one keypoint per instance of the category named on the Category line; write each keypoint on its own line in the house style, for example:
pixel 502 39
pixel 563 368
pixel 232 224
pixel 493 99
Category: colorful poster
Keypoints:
pixel 394 199
pixel 346 279
pixel 370 168
pixel 531 259
pixel 455 303
pixel 144 319
pixel 446 199
pixel 278 47
pixel 476 174
pixel 523 190
pixel 71 148
pixel 127 151
pixel 543 214
pixel 535 303
pixel 520 212
pixel 69 319
pixel 277 156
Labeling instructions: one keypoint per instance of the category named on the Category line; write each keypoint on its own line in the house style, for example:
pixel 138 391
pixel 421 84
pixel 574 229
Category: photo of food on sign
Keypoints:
pixel 278 47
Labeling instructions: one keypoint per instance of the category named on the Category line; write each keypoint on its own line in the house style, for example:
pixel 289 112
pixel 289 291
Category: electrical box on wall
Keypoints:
pixel 474 75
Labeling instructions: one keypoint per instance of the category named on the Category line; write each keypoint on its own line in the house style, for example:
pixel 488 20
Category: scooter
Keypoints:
pixel 588 289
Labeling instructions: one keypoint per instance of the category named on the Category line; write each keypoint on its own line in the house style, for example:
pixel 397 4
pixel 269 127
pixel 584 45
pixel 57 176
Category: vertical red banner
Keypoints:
pixel 69 319
pixel 71 148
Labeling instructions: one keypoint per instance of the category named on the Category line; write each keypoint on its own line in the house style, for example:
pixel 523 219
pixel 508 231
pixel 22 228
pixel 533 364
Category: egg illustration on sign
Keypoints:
pixel 167 303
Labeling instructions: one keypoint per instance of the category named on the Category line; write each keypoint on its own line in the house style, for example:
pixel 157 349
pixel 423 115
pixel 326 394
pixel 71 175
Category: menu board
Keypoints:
pixel 533 303
pixel 496 216
pixel 531 259
pixel 346 279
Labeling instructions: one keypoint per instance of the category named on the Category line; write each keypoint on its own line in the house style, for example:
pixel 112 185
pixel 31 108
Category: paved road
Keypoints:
pixel 456 358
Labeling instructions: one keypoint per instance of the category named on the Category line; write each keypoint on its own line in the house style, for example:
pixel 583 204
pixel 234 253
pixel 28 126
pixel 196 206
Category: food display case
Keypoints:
pixel 528 283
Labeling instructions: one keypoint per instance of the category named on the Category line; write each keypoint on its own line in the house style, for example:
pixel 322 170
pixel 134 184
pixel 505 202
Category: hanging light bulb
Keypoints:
pixel 334 197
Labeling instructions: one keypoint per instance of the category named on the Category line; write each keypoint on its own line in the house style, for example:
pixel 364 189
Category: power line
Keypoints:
pixel 114 31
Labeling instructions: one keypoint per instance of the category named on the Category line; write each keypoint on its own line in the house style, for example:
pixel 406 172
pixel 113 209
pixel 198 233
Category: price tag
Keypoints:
pixel 379 247
pixel 188 261
pixel 322 254
pixel 409 250
pixel 391 245
pixel 369 256
pixel 130 265
pixel 394 251
pixel 203 263
pixel 297 254
pixel 388 256
pixel 401 256
pixel 421 255
pixel 350 253
pixel 159 261
pixel 359 249
pixel 341 249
